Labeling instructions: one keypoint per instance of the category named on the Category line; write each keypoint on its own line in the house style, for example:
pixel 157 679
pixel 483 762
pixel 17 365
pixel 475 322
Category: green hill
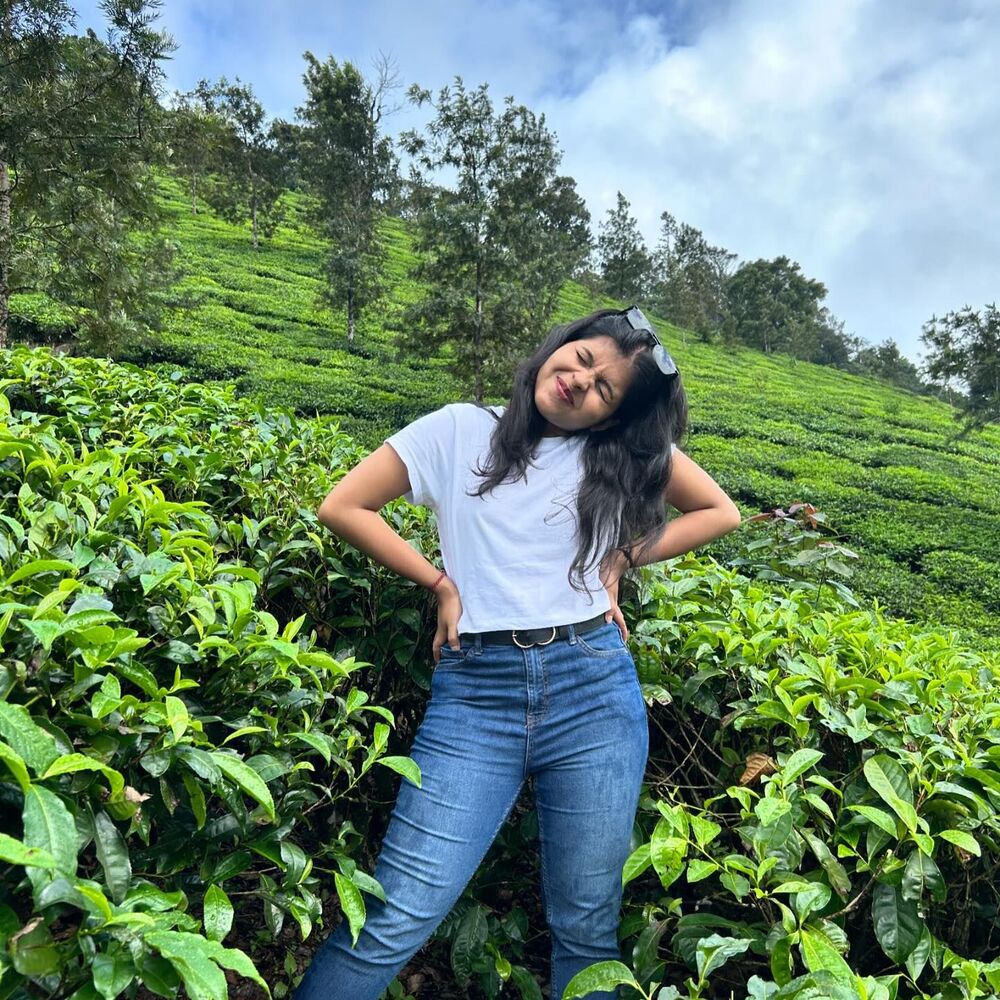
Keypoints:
pixel 922 510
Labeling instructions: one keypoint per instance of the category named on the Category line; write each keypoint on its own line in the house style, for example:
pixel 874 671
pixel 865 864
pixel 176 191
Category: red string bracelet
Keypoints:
pixel 433 586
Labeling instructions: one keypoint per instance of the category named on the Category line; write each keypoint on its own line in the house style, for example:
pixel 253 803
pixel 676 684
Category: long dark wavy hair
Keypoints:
pixel 626 466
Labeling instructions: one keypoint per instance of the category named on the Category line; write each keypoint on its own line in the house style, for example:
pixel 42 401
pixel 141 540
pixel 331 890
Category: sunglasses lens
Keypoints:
pixel 637 320
pixel 663 360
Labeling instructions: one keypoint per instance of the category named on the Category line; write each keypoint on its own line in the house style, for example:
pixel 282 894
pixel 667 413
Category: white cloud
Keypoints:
pixel 859 137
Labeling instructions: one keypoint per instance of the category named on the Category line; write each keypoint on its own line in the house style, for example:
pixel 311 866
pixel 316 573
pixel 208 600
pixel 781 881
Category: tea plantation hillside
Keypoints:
pixel 922 510
pixel 206 701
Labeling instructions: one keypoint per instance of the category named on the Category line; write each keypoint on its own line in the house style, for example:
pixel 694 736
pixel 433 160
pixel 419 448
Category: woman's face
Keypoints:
pixel 581 385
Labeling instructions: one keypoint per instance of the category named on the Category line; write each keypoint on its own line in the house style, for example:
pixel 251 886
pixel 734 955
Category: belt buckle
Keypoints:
pixel 513 636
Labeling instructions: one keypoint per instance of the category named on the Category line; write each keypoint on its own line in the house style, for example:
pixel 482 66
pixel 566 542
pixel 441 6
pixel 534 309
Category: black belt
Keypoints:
pixel 527 637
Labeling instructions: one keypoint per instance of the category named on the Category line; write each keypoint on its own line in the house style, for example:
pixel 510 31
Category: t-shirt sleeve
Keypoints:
pixel 425 446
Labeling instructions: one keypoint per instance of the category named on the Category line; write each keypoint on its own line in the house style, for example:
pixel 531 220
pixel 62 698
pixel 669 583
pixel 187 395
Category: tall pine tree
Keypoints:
pixel 79 132
pixel 248 170
pixel 690 279
pixel 496 247
pixel 350 168
pixel 624 262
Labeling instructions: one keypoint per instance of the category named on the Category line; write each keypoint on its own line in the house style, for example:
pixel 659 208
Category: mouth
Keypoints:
pixel 564 393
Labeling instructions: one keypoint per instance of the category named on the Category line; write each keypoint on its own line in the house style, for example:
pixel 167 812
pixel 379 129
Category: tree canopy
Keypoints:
pixel 350 168
pixel 964 346
pixel 623 259
pixel 79 135
pixel 495 248
pixel 773 304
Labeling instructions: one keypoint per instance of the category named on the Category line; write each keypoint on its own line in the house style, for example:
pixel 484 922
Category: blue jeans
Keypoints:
pixel 571 715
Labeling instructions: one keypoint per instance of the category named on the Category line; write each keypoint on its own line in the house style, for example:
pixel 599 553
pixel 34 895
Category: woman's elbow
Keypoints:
pixel 731 517
pixel 330 511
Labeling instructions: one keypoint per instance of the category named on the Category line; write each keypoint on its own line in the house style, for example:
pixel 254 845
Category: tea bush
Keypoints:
pixel 171 737
pixel 820 815
pixel 188 757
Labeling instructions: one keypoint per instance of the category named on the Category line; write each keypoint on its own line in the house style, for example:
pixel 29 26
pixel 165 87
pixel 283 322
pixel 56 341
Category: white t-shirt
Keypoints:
pixel 510 551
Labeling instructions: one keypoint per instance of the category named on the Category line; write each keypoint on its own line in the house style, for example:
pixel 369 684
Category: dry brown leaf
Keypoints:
pixel 757 764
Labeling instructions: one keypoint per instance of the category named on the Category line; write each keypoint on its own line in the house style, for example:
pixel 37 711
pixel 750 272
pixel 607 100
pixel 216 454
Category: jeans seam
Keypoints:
pixel 545 874
pixel 545 679
pixel 606 653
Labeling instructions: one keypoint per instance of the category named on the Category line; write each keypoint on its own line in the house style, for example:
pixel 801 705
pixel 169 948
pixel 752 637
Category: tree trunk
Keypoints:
pixel 477 337
pixel 194 194
pixel 253 207
pixel 5 254
pixel 350 315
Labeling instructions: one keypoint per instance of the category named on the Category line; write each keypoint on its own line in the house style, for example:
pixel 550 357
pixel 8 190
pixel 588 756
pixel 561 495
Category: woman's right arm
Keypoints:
pixel 351 510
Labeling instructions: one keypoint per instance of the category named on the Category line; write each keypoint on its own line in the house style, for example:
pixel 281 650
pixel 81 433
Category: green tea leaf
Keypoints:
pixel 113 856
pixel 800 762
pixel 917 958
pixel 699 868
pixel 963 840
pixel 715 950
pixel 525 982
pixel 879 817
pixel 735 883
pixel 405 766
pixel 601 977
pixel 468 943
pixel 836 873
pixel 898 926
pixel 39 566
pixel 704 830
pixel 819 953
pixel 112 973
pixel 887 777
pixel 667 852
pixel 922 875
pixel 15 853
pixel 638 861
pixel 236 960
pixel 247 778
pixel 16 766
pixel 645 954
pixel 33 744
pixel 218 914
pixel 196 798
pixel 202 978
pixel 71 763
pixel 177 716
pixel 32 951
pixel 352 903
pixel 48 824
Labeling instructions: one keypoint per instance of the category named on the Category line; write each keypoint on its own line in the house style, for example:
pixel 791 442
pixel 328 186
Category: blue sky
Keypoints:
pixel 859 137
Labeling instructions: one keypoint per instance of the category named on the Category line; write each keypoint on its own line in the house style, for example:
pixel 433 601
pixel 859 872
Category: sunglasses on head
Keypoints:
pixel 635 319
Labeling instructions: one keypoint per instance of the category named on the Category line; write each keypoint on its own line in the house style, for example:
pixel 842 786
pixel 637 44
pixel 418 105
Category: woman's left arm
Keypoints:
pixel 707 513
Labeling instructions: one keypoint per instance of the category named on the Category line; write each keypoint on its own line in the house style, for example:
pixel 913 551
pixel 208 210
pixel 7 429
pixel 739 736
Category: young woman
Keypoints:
pixel 541 506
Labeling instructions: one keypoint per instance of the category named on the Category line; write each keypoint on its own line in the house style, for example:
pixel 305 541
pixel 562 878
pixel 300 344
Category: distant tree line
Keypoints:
pixel 766 304
pixel 498 230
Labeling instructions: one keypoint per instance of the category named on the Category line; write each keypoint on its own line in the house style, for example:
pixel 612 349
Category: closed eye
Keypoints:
pixel 607 393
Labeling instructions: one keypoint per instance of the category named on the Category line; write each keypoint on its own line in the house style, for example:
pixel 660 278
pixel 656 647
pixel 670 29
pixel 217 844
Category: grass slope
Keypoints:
pixel 923 511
